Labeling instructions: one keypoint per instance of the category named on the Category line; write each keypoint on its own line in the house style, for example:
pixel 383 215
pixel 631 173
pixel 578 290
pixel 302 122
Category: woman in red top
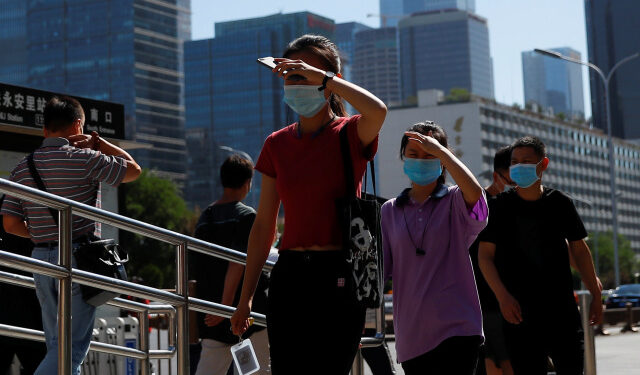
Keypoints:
pixel 313 320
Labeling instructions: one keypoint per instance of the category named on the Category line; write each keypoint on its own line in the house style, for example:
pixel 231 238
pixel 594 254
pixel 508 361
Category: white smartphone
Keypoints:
pixel 270 63
pixel 267 61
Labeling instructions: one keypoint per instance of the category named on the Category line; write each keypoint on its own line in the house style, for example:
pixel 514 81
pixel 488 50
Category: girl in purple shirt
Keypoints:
pixel 427 231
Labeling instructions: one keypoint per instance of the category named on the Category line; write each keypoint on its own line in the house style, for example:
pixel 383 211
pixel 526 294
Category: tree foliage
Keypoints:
pixel 601 244
pixel 457 94
pixel 156 201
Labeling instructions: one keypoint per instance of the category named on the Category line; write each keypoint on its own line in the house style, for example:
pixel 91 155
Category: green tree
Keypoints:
pixel 154 200
pixel 457 94
pixel 602 244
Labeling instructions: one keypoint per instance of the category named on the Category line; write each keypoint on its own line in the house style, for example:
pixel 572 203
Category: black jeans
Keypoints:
pixel 455 355
pixel 313 320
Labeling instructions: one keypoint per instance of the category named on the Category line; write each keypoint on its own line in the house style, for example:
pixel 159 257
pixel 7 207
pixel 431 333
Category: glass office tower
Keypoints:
pixel 124 51
pixel 444 50
pixel 553 83
pixel 612 35
pixel 234 103
pixel 375 64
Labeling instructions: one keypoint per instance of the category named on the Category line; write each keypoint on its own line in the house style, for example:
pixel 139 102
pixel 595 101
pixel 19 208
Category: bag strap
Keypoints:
pixel 36 177
pixel 348 165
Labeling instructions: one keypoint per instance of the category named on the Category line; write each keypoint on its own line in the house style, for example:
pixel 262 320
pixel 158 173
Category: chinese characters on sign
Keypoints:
pixel 21 106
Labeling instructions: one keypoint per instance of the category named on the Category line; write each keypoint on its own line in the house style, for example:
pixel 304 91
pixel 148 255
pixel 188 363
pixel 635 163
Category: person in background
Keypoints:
pixel 524 256
pixel 427 231
pixel 72 165
pixel 493 358
pixel 227 222
pixel 25 314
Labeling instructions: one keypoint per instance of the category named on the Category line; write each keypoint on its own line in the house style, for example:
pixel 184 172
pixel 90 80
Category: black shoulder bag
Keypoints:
pixel 359 220
pixel 103 257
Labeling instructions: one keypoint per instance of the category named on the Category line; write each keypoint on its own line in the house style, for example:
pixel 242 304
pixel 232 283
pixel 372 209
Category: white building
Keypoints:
pixel 476 129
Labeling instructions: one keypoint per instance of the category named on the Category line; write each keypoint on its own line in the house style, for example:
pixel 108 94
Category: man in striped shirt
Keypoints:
pixel 72 165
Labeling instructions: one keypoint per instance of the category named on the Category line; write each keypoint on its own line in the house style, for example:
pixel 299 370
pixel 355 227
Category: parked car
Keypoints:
pixel 623 294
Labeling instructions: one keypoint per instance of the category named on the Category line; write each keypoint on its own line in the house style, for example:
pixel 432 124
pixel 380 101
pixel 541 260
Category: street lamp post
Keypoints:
pixel 612 166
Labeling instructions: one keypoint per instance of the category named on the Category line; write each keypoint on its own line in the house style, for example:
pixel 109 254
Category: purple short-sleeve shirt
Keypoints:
pixel 434 295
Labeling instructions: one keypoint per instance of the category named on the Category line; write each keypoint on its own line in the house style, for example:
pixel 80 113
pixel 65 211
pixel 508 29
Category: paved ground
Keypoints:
pixel 617 354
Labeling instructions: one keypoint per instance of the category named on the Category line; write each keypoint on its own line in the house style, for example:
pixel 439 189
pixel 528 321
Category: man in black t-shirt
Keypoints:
pixel 227 222
pixel 525 260
pixel 493 358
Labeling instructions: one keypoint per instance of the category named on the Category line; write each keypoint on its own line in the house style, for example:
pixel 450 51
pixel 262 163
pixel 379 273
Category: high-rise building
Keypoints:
pixel 443 50
pixel 391 11
pixel 345 36
pixel 234 103
pixel 612 35
pixel 13 38
pixel 554 83
pixel 414 6
pixel 375 64
pixel 477 128
pixel 126 51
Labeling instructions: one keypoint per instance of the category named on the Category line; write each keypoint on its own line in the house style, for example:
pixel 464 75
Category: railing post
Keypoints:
pixel 182 311
pixel 143 318
pixel 589 341
pixel 64 292
pixel 628 327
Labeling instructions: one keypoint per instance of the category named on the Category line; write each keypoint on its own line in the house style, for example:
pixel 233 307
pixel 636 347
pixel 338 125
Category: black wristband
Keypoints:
pixel 327 76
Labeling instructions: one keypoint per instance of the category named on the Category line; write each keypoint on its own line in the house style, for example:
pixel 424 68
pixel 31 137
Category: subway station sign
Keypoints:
pixel 22 106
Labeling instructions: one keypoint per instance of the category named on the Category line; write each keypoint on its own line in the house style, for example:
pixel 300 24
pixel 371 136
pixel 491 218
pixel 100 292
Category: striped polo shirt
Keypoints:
pixel 67 171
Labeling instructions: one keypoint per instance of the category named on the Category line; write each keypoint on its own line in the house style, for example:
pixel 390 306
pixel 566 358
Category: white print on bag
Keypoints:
pixel 365 279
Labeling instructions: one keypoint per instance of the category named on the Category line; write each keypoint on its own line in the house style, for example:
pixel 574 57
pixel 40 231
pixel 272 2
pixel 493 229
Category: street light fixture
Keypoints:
pixel 612 166
pixel 234 151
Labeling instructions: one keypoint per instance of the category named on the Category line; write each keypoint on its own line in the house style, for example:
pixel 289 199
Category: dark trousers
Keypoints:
pixel 313 320
pixel 455 355
pixel 20 308
pixel 532 341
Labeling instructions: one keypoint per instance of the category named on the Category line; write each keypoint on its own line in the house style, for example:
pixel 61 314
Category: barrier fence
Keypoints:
pixel 176 304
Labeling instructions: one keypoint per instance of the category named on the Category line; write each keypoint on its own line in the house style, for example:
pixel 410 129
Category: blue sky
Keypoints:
pixel 514 26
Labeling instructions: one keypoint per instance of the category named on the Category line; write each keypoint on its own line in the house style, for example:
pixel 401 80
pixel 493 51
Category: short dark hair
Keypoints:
pixel 436 132
pixel 502 159
pixel 60 112
pixel 236 171
pixel 530 141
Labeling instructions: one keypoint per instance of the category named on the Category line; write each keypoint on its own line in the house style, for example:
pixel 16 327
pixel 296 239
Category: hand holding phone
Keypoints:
pixel 270 63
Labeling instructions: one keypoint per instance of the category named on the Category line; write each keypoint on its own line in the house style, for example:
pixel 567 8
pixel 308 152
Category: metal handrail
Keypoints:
pixel 66 274
pixel 179 299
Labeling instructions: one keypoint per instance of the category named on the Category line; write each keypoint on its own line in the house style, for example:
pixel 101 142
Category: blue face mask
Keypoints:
pixel 305 100
pixel 524 175
pixel 422 171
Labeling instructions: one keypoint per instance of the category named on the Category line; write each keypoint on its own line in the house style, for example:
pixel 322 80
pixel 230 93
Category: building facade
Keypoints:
pixel 232 101
pixel 345 37
pixel 554 83
pixel 578 156
pixel 444 50
pixel 612 35
pixel 375 64
pixel 125 51
pixel 414 6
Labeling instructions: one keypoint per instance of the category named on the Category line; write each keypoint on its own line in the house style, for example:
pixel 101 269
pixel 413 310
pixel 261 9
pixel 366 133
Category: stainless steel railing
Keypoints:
pixel 180 300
